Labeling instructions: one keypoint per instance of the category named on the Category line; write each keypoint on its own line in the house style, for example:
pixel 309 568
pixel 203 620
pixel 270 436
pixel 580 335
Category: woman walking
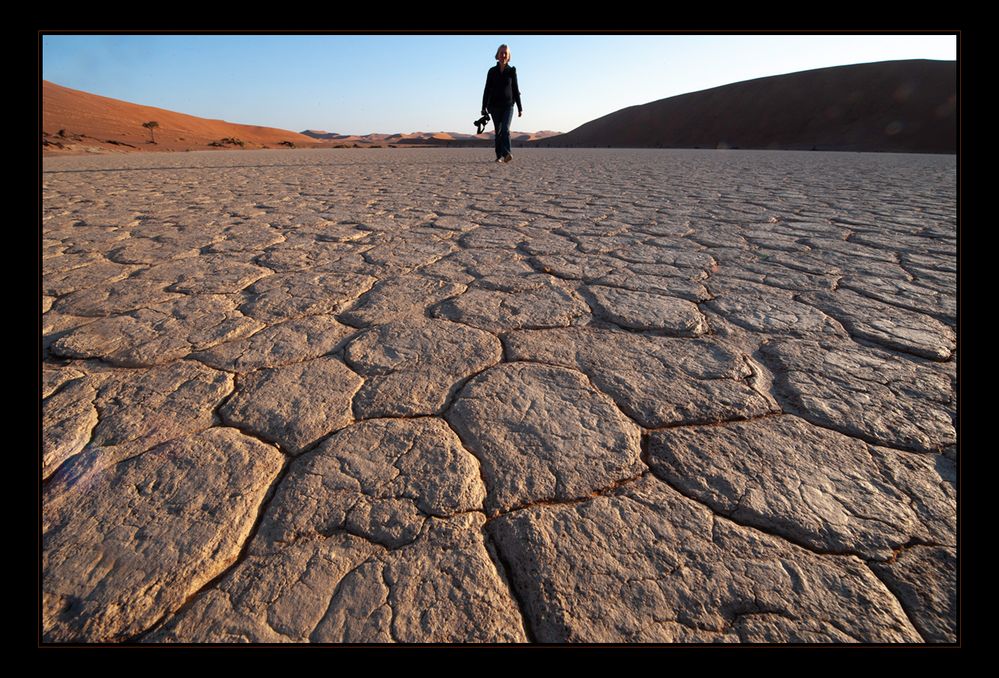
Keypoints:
pixel 500 95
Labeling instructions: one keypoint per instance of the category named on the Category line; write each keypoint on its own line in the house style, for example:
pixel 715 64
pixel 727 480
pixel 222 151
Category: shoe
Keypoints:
pixel 507 158
pixel 500 160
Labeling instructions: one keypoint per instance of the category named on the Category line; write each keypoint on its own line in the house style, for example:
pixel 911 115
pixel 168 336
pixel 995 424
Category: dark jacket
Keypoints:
pixel 501 89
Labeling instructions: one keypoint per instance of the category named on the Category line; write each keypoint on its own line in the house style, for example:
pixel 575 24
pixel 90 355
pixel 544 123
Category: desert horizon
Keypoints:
pixel 898 106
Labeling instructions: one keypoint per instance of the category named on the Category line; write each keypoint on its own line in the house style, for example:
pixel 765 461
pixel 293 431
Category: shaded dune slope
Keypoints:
pixel 893 106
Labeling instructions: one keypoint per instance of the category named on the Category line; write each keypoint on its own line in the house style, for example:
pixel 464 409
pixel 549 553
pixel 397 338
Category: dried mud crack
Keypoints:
pixel 642 397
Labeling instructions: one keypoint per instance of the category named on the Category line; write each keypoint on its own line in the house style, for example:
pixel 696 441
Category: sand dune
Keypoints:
pixel 89 122
pixel 903 106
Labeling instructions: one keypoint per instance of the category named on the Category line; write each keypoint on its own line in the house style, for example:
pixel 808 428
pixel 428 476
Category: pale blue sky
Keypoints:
pixel 357 84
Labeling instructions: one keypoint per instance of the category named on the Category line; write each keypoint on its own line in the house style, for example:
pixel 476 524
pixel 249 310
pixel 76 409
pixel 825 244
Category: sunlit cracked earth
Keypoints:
pixel 415 396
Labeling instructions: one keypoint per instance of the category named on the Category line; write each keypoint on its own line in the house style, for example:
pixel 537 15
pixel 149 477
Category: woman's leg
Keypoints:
pixel 497 115
pixel 504 135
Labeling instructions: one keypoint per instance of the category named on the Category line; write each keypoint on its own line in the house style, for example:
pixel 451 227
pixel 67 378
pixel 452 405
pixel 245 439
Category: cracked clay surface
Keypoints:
pixel 408 396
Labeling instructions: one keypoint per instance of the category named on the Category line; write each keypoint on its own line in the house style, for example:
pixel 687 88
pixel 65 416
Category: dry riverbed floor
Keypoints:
pixel 416 396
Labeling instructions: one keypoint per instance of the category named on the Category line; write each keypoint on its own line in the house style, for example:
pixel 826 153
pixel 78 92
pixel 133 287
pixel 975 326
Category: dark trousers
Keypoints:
pixel 502 117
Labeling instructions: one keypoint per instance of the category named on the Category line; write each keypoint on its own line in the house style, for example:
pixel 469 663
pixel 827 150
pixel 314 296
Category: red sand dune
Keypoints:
pixel 96 123
pixel 890 106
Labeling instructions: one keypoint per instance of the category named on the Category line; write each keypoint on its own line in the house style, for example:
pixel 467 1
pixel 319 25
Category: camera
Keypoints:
pixel 480 124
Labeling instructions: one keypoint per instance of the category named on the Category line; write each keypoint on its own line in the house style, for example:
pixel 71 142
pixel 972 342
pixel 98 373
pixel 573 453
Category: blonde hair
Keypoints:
pixel 508 52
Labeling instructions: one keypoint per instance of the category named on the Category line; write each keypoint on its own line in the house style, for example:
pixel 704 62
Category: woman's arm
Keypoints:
pixel 516 93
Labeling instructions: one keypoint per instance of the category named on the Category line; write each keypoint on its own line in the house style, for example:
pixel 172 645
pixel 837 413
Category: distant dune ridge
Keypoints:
pixel 426 138
pixel 890 106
